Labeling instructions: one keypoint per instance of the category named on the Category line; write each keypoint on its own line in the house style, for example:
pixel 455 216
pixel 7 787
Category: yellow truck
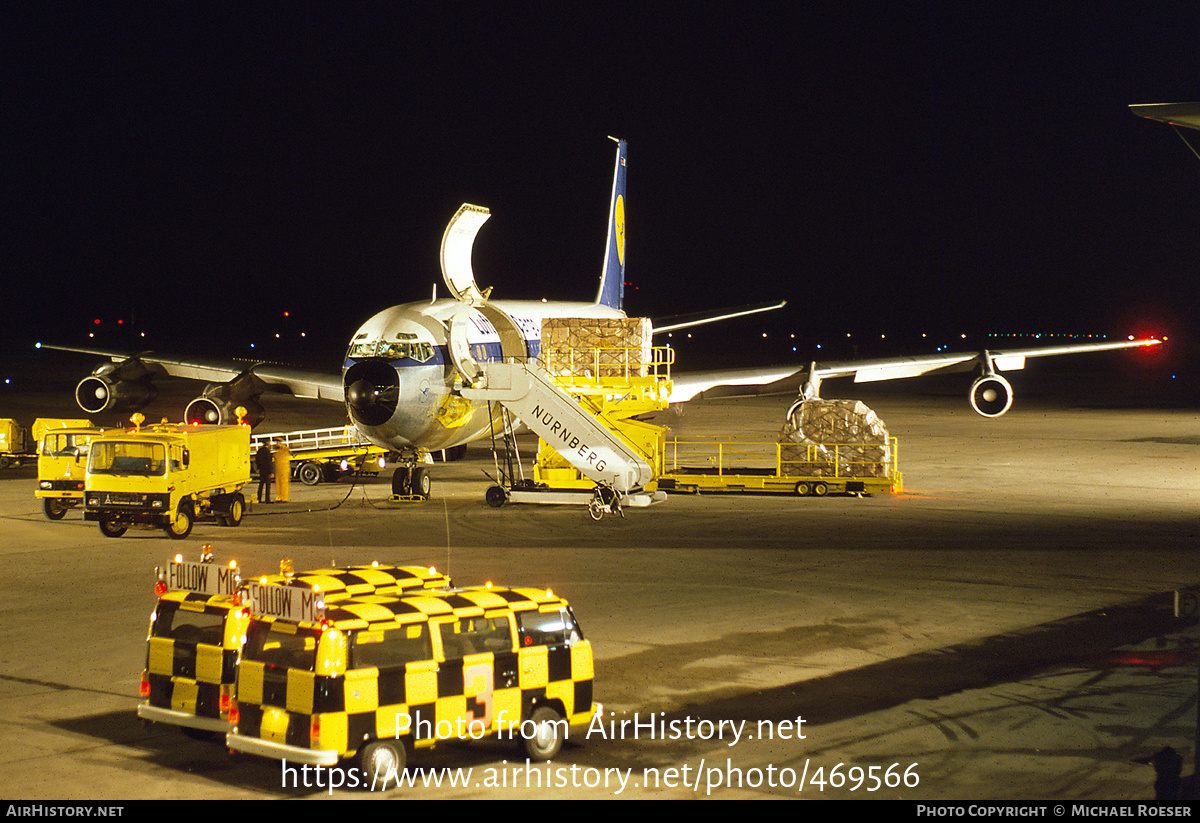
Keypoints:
pixel 167 476
pixel 62 463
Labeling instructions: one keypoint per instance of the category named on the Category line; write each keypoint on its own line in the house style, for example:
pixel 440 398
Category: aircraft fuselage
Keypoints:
pixel 403 367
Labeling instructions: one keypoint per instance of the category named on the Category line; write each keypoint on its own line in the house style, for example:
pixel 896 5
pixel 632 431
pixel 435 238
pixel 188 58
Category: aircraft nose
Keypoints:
pixel 372 390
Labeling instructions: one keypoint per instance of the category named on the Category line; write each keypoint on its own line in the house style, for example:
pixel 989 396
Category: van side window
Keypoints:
pixel 547 628
pixel 392 647
pixel 473 635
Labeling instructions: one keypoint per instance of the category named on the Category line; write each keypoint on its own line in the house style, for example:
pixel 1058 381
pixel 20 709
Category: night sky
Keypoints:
pixel 900 169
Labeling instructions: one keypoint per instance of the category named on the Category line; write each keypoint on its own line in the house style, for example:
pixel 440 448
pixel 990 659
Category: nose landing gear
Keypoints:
pixel 411 481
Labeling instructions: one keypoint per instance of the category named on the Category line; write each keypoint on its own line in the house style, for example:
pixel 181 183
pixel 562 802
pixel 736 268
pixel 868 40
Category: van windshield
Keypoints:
pixel 278 649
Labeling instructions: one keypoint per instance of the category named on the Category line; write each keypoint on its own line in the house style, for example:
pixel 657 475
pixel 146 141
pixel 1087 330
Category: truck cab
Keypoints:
pixel 62 466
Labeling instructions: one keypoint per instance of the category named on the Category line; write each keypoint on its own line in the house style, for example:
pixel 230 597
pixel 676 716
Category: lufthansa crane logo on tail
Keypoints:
pixel 619 226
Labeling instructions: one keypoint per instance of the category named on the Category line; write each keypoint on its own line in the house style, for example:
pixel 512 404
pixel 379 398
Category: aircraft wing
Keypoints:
pixel 1177 114
pixel 687 321
pixel 272 377
pixel 687 386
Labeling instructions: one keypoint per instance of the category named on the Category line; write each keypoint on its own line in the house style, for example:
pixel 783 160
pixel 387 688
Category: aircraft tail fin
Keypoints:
pixel 612 277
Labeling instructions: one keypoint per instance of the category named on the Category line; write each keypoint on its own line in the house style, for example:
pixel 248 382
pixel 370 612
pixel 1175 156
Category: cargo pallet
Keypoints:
pixel 710 467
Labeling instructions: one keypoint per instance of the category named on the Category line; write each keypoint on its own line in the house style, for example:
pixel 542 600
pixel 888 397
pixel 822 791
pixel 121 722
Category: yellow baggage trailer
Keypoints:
pixel 711 466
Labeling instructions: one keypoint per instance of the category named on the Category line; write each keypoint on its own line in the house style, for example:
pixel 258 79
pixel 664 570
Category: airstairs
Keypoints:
pixel 580 402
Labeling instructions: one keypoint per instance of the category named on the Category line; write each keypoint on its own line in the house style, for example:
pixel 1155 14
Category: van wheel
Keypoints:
pixel 309 473
pixel 547 738
pixel 181 526
pixel 109 528
pixel 54 508
pixel 382 762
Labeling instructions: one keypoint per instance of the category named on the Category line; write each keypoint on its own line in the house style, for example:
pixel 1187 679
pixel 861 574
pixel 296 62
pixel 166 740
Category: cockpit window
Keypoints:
pixel 417 351
pixel 392 351
pixel 364 349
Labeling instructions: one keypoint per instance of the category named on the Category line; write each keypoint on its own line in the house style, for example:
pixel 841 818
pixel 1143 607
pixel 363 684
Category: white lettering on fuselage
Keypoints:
pixel 530 328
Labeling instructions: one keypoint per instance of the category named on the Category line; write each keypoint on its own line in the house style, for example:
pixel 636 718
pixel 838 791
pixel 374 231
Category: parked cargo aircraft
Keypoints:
pixel 405 369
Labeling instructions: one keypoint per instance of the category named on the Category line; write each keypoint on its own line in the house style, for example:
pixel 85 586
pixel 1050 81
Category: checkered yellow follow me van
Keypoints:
pixel 379 676
pixel 199 625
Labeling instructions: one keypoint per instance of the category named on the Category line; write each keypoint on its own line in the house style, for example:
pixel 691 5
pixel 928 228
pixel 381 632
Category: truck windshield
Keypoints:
pixel 128 457
pixel 64 445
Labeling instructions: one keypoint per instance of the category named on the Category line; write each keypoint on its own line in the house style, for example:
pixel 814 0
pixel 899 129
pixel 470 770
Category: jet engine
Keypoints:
pixel 209 410
pixel 991 395
pixel 99 393
pixel 117 387
pixel 219 401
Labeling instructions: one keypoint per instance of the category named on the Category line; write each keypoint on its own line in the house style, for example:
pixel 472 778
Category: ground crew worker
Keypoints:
pixel 283 471
pixel 265 466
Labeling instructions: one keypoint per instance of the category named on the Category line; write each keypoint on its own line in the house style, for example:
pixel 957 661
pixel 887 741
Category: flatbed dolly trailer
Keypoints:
pixel 711 466
pixel 16 444
pixel 325 454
